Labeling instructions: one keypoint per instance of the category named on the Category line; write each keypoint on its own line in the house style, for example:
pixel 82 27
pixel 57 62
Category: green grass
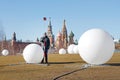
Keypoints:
pixel 14 68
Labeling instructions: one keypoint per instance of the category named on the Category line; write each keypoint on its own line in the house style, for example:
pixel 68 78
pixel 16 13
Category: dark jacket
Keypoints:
pixel 46 42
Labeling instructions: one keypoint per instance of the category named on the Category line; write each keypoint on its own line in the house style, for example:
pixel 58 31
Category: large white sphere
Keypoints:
pixel 33 53
pixel 70 49
pixel 96 46
pixel 76 49
pixel 5 52
pixel 62 51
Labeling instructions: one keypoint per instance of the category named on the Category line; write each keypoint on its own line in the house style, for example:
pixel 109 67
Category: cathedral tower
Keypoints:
pixel 64 35
pixel 13 38
pixel 59 43
pixel 50 34
pixel 71 36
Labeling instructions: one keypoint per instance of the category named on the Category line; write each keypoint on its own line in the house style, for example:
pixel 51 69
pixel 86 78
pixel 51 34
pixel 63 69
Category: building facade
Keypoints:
pixel 13 46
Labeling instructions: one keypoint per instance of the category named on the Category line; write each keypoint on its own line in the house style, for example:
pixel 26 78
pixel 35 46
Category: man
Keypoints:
pixel 46 43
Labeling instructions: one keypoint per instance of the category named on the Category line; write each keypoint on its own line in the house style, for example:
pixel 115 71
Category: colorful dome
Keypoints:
pixel 71 34
pixel 59 34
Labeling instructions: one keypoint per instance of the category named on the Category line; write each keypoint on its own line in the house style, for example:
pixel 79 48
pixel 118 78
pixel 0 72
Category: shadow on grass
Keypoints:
pixel 65 74
pixel 1 66
pixel 71 72
pixel 65 62
pixel 113 64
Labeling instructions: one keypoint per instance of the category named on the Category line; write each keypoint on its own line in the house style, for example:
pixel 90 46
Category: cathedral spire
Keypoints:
pixel 71 36
pixel 50 21
pixel 64 26
pixel 50 26
pixel 50 34
pixel 14 36
pixel 64 22
pixel 64 35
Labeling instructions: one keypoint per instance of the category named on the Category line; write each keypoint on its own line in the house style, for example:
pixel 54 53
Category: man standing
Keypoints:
pixel 46 43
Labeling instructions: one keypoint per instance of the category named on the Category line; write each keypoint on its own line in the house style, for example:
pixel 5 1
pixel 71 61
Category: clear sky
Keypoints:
pixel 25 17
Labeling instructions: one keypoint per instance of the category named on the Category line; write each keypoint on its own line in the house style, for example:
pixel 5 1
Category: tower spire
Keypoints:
pixel 50 33
pixel 49 21
pixel 64 27
pixel 14 36
pixel 64 22
pixel 50 26
pixel 64 35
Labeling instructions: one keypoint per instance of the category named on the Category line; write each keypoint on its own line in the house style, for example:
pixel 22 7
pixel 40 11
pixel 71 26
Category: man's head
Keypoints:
pixel 45 34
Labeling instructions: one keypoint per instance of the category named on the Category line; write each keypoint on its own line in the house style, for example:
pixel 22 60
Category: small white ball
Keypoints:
pixel 5 52
pixel 76 49
pixel 70 49
pixel 96 46
pixel 33 53
pixel 62 51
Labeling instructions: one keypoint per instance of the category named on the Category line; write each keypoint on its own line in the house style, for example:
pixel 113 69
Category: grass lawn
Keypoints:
pixel 15 68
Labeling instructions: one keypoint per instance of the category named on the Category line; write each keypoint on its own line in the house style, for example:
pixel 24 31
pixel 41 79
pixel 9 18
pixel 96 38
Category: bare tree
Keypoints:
pixel 2 33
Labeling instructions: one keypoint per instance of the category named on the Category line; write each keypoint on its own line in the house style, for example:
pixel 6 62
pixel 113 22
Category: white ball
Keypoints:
pixel 33 53
pixel 62 51
pixel 5 52
pixel 76 49
pixel 70 49
pixel 96 46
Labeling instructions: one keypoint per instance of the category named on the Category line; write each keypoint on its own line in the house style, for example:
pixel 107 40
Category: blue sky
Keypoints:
pixel 25 17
